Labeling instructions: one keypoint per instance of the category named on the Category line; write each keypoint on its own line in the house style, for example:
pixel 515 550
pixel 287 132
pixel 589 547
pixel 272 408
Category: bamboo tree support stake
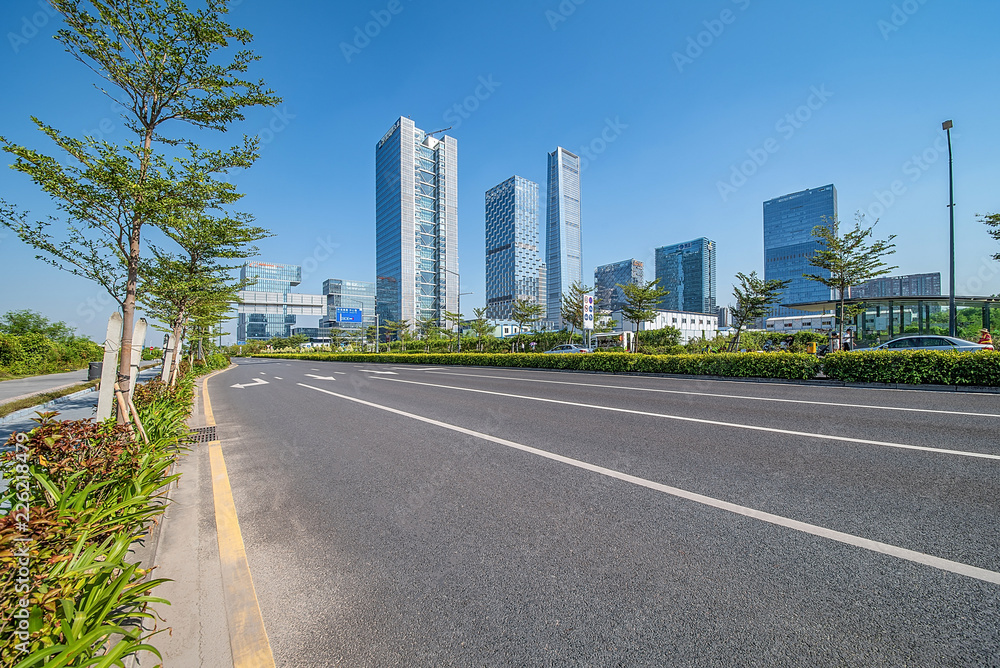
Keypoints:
pixel 138 422
pixel 122 407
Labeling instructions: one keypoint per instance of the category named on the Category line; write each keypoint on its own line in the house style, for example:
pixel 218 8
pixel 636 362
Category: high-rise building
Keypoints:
pixel 608 277
pixel 563 243
pixel 267 308
pixel 416 225
pixel 342 299
pixel 687 272
pixel 513 254
pixel 910 285
pixel 789 243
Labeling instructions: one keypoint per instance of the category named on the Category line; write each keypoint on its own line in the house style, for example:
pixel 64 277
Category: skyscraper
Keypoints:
pixel 789 243
pixel 267 308
pixel 341 294
pixel 513 256
pixel 416 225
pixel 563 244
pixel 687 272
pixel 608 277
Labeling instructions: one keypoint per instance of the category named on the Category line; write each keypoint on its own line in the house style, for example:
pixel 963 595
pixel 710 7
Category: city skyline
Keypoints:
pixel 763 122
pixel 514 267
pixel 563 230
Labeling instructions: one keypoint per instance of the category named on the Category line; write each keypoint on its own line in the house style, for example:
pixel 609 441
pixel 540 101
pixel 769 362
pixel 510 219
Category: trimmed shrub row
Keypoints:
pixel 739 365
pixel 917 367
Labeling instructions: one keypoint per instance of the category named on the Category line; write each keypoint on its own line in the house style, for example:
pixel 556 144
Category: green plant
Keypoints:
pixel 915 367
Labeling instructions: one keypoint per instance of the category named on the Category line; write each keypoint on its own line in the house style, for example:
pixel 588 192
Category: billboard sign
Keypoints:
pixel 588 311
pixel 349 315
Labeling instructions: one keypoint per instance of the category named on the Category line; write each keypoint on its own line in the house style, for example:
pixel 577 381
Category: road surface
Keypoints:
pixel 421 516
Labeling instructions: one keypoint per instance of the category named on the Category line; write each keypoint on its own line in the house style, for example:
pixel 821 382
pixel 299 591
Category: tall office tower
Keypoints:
pixel 513 254
pixel 789 243
pixel 416 225
pixel 267 308
pixel 608 277
pixel 910 285
pixel 687 272
pixel 343 299
pixel 563 244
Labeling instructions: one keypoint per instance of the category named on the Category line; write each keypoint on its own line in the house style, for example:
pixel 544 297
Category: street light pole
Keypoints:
pixel 952 325
pixel 460 293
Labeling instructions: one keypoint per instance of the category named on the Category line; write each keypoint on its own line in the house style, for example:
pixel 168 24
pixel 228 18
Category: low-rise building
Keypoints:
pixel 692 325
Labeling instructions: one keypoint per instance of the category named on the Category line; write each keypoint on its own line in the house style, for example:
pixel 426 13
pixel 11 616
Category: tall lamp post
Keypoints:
pixel 460 293
pixel 952 324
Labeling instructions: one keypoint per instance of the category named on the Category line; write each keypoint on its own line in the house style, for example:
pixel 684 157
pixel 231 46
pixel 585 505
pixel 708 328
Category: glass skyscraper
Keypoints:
pixel 267 296
pixel 687 272
pixel 563 244
pixel 341 294
pixel 416 224
pixel 608 277
pixel 789 243
pixel 514 268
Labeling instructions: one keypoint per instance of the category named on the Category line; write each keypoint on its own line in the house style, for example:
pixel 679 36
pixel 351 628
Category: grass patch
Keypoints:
pixel 43 398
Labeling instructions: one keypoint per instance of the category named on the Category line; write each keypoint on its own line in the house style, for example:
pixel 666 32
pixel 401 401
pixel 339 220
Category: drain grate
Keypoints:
pixel 203 435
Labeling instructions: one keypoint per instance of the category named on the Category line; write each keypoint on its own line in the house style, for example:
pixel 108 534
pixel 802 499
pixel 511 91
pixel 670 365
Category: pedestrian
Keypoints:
pixel 984 337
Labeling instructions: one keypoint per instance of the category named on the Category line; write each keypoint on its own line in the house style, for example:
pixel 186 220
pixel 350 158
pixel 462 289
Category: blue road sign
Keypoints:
pixel 349 315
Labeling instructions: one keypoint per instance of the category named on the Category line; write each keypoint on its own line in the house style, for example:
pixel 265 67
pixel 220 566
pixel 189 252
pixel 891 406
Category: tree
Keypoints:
pixel 26 321
pixel 754 297
pixel 992 221
pixel 481 326
pixel 571 307
pixel 523 312
pixel 196 283
pixel 429 330
pixel 456 318
pixel 641 300
pixel 850 259
pixel 157 60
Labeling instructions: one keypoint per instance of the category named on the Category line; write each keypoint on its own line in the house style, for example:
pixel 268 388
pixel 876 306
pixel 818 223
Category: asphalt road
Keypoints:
pixel 21 386
pixel 498 517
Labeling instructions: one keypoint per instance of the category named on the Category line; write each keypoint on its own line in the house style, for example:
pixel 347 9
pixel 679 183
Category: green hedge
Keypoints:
pixel 916 367
pixel 738 365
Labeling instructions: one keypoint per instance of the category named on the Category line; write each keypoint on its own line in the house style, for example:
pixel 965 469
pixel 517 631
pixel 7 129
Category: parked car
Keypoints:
pixel 568 348
pixel 932 343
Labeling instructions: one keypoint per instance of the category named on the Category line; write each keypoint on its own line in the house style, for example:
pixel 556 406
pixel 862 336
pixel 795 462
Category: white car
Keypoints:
pixel 926 342
pixel 567 348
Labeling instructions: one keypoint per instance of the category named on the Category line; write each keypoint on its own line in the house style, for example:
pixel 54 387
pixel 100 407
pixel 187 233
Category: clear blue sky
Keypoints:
pixel 559 73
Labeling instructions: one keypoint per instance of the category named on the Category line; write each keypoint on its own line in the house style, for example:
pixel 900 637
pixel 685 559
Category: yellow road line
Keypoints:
pixel 209 415
pixel 247 636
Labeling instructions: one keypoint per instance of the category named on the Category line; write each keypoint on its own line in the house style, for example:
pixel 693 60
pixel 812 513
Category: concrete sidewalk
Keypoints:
pixel 185 549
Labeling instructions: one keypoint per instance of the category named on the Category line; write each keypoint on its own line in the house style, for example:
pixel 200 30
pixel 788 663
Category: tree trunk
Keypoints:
pixel 128 322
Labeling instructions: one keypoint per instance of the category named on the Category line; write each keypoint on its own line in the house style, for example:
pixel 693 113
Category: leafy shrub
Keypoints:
pixel 915 367
pixel 741 365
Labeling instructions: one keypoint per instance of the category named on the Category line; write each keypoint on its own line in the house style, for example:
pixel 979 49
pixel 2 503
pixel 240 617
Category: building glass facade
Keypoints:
pixel 910 285
pixel 788 244
pixel 607 295
pixel 563 242
pixel 513 253
pixel 267 278
pixel 416 224
pixel 687 272
pixel 351 295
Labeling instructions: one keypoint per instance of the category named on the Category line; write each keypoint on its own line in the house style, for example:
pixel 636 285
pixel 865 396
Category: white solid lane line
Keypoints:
pixel 711 394
pixel 773 430
pixel 812 529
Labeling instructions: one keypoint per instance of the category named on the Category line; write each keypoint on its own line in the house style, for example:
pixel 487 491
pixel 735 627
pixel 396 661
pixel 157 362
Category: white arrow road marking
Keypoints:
pixel 256 381
pixel 387 373
pixel 312 375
